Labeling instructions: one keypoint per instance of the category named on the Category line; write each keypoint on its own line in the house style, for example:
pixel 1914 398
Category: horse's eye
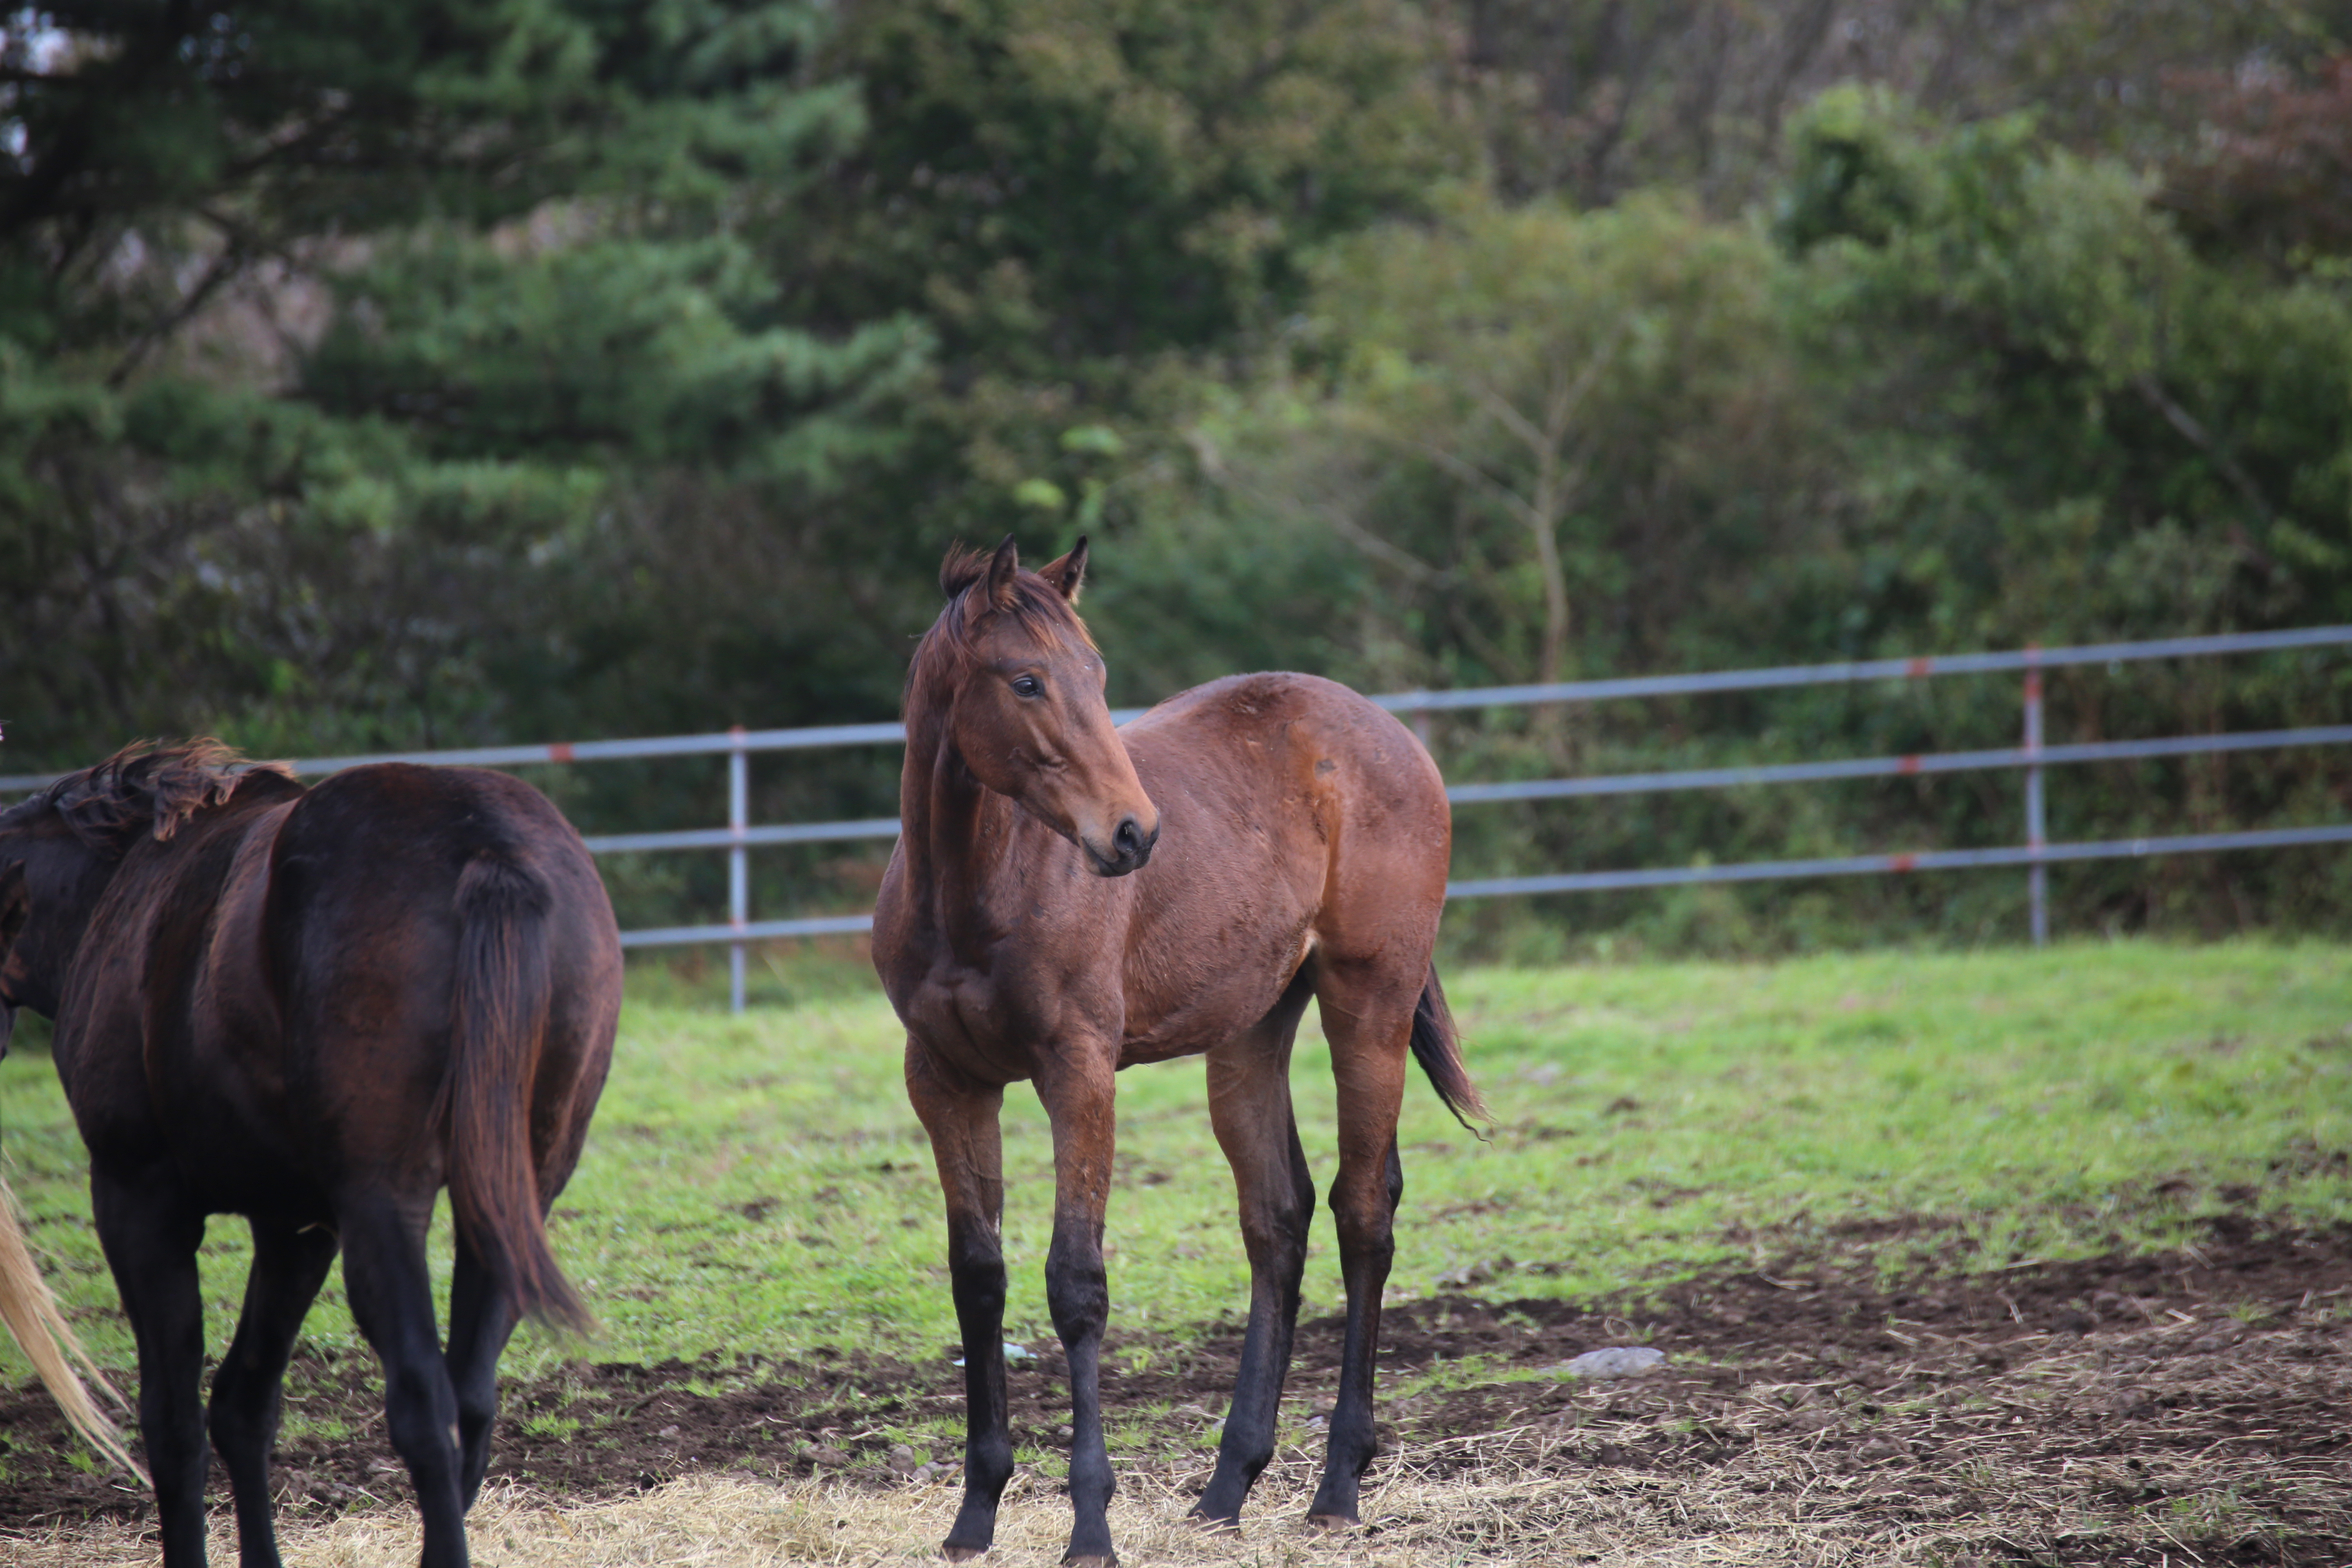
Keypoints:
pixel 1028 686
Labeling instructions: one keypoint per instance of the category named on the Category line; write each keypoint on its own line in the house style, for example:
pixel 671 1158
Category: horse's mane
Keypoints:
pixel 151 789
pixel 947 648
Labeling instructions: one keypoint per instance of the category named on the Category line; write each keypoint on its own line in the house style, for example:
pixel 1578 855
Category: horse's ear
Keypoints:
pixel 1069 571
pixel 1002 567
pixel 15 903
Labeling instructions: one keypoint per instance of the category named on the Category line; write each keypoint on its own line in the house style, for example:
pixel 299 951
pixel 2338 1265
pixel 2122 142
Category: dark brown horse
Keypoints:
pixel 1302 837
pixel 315 1009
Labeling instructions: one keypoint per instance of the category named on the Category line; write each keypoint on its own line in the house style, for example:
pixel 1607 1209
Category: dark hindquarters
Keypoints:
pixel 527 1064
pixel 501 1009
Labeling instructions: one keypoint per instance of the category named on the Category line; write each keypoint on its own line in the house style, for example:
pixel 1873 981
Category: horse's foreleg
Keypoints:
pixel 1078 1091
pixel 390 1297
pixel 1249 1106
pixel 151 1243
pixel 1369 1037
pixel 967 1144
pixel 290 1264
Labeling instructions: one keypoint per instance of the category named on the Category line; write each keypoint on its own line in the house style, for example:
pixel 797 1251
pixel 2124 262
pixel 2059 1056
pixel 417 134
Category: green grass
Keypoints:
pixel 757 1186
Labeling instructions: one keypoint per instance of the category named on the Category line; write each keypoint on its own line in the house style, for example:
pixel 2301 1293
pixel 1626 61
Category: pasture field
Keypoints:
pixel 2093 1198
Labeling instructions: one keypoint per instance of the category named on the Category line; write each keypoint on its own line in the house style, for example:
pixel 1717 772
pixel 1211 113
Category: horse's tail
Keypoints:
pixel 1437 1046
pixel 501 1007
pixel 32 1316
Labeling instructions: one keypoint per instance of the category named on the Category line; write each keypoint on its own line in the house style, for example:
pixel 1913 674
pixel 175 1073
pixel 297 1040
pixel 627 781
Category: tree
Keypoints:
pixel 1596 98
pixel 1088 205
pixel 333 337
pixel 2027 337
pixel 1556 414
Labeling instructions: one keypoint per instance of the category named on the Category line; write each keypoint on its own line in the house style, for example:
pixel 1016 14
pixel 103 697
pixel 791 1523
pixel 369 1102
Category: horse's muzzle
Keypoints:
pixel 1130 847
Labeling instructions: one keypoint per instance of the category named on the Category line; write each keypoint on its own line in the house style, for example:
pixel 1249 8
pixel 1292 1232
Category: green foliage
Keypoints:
pixel 1057 183
pixel 2074 386
pixel 372 377
pixel 356 331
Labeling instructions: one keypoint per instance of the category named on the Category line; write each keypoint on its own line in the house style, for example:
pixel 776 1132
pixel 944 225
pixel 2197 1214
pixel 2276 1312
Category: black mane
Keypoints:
pixel 149 789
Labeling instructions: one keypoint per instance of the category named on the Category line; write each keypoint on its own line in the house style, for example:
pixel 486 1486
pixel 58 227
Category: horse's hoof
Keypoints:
pixel 1215 1523
pixel 1333 1520
pixel 1107 1560
pixel 962 1553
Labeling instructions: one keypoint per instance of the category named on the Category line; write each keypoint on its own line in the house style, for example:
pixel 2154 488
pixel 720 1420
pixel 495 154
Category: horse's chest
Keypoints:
pixel 989 1026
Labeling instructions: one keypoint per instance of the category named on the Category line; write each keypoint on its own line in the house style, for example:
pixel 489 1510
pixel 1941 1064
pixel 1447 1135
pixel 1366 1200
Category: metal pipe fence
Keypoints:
pixel 2036 853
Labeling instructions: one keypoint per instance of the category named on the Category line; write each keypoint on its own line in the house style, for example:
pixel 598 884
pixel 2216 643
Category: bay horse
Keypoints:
pixel 314 1008
pixel 1067 899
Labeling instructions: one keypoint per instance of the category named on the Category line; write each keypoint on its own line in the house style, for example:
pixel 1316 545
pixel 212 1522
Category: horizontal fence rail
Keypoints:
pixel 741 835
pixel 1864 669
pixel 1921 860
pixel 826 735
pixel 1897 767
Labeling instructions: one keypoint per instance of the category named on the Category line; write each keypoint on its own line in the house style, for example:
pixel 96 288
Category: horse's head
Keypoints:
pixel 1010 670
pixel 60 849
pixel 42 869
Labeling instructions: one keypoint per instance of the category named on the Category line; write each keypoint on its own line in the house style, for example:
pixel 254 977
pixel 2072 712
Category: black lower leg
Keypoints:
pixel 151 1245
pixel 1079 1298
pixel 384 1277
pixel 976 1269
pixel 480 1323
pixel 1367 1246
pixel 290 1264
pixel 1277 1240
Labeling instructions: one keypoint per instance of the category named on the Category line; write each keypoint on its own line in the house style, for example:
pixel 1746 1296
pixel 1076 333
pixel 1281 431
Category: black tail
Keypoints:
pixel 1437 1046
pixel 501 1010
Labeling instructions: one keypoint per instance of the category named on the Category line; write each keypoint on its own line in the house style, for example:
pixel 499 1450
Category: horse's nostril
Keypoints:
pixel 1128 839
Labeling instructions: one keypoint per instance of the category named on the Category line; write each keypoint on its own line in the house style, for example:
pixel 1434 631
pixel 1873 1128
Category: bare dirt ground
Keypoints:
pixel 2183 1408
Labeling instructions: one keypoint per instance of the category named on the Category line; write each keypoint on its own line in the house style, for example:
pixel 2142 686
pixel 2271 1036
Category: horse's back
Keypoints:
pixel 374 882
pixel 382 850
pixel 270 997
pixel 1282 751
pixel 1297 817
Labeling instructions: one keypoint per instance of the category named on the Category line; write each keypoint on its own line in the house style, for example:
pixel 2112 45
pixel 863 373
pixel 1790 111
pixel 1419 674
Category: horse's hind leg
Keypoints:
pixel 967 1144
pixel 1368 1018
pixel 151 1241
pixel 390 1297
pixel 480 1323
pixel 290 1264
pixel 1249 1106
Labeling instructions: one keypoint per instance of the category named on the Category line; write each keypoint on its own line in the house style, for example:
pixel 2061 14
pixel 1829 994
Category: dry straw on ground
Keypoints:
pixel 716 1522
pixel 1955 1434
pixel 1498 1502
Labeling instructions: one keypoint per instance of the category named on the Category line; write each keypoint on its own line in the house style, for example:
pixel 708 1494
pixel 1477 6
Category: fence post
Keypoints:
pixel 1421 730
pixel 2037 879
pixel 738 869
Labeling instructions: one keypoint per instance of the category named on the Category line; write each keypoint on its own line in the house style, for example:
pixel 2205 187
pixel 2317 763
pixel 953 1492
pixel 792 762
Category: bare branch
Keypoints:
pixel 226 266
pixel 2180 419
pixel 1562 409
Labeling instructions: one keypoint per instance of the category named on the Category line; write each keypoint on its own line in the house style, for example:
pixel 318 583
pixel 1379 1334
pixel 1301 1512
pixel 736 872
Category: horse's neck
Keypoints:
pixel 960 838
